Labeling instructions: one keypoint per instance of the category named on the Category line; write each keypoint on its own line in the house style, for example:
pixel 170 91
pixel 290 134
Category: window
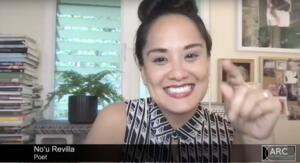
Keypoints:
pixel 87 41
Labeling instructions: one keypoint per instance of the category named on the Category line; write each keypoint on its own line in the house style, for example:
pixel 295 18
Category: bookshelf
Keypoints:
pixel 20 100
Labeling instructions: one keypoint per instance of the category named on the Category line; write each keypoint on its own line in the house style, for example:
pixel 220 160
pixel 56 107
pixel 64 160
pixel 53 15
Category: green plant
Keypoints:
pixel 91 84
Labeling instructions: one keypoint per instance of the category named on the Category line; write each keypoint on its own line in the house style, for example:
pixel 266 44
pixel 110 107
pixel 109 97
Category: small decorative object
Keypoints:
pixel 281 77
pixel 85 91
pixel 269 25
pixel 246 66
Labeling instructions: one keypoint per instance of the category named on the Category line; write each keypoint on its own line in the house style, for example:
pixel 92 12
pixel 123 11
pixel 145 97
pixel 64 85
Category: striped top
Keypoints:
pixel 207 136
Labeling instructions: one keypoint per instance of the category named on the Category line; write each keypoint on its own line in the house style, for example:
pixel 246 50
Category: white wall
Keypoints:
pixel 36 18
pixel 130 72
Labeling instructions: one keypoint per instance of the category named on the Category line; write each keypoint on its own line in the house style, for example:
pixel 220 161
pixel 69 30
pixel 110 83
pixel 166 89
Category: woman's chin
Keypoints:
pixel 181 108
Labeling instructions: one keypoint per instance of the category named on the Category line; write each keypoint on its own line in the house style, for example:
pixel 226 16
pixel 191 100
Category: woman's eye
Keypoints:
pixel 191 56
pixel 160 60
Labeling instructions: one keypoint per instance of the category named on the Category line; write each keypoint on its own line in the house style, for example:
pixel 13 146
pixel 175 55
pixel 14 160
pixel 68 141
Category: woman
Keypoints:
pixel 173 52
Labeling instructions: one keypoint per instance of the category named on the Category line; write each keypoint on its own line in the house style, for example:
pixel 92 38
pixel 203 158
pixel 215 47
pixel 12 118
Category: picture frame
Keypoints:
pixel 245 65
pixel 259 30
pixel 281 77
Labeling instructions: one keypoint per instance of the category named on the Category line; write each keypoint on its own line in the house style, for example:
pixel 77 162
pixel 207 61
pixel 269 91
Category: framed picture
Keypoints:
pixel 269 25
pixel 281 77
pixel 246 66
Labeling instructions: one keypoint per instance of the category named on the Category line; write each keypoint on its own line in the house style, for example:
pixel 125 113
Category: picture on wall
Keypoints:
pixel 269 25
pixel 281 77
pixel 246 67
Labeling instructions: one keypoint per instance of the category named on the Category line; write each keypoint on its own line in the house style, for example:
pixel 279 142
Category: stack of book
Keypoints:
pixel 18 76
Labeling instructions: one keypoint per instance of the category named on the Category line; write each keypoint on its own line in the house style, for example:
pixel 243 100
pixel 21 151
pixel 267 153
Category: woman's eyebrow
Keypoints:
pixel 159 50
pixel 193 45
pixel 162 50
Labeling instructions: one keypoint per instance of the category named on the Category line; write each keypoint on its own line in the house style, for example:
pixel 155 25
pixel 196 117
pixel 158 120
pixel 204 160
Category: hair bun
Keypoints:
pixel 150 8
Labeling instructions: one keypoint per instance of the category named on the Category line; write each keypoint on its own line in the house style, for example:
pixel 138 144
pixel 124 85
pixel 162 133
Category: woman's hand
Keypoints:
pixel 252 111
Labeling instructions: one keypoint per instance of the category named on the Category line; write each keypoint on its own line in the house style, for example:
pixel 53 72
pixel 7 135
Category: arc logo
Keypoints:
pixel 278 152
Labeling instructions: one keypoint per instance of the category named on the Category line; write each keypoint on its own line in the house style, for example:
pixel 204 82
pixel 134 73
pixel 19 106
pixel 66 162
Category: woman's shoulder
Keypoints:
pixel 119 109
pixel 114 109
pixel 109 126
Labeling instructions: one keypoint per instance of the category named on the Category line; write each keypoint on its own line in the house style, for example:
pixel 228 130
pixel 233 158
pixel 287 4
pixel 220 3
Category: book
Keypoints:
pixel 8 44
pixel 15 107
pixel 15 76
pixel 20 59
pixel 4 138
pixel 14 37
pixel 15 123
pixel 14 112
pixel 18 67
pixel 10 130
pixel 12 63
pixel 9 118
pixel 25 71
pixel 15 97
pixel 22 101
pixel 11 42
pixel 15 90
pixel 19 55
pixel 25 50
pixel 17 40
pixel 16 82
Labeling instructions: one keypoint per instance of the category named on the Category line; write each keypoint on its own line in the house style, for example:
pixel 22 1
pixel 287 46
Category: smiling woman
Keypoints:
pixel 173 53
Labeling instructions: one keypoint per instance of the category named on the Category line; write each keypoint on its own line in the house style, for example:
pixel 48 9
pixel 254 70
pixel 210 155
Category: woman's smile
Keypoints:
pixel 179 91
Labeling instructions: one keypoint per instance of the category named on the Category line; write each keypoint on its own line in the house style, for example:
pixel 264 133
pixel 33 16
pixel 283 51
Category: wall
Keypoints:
pixel 130 72
pixel 36 18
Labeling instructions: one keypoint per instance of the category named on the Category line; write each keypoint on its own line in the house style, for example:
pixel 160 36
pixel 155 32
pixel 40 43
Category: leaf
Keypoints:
pixel 75 83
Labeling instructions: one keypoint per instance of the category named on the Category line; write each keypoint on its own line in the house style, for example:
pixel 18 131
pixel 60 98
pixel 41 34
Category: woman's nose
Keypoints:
pixel 178 71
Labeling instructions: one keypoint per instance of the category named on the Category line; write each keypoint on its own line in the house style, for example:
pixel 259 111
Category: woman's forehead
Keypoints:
pixel 173 29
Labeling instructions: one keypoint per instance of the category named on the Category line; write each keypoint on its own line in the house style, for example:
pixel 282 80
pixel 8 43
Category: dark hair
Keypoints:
pixel 281 5
pixel 150 10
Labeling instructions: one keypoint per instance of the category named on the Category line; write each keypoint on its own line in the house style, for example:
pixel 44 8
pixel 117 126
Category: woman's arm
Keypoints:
pixel 109 127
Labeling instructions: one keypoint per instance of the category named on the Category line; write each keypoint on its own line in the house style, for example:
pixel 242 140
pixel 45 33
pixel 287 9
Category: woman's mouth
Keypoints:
pixel 180 91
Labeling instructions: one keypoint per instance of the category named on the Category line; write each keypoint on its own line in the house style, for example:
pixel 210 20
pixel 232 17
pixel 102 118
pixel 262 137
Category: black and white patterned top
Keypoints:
pixel 206 137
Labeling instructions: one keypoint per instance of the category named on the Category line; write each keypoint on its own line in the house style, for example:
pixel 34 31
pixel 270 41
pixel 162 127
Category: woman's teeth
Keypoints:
pixel 184 89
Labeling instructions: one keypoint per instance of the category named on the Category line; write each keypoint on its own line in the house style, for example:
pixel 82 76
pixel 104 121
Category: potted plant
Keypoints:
pixel 85 91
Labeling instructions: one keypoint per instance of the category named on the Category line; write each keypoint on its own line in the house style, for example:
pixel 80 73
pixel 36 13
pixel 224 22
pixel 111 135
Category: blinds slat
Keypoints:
pixel 82 46
pixel 79 58
pixel 88 35
pixel 100 23
pixel 95 11
pixel 115 3
pixel 82 70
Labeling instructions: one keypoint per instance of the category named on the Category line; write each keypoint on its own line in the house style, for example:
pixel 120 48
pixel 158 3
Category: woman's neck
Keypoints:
pixel 178 120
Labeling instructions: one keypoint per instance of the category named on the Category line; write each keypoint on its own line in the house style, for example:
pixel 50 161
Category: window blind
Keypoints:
pixel 87 41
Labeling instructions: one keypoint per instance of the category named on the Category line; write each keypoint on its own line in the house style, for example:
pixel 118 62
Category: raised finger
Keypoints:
pixel 228 94
pixel 234 75
pixel 237 101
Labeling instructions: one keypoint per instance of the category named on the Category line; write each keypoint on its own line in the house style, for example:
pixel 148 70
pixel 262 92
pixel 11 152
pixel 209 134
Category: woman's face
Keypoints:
pixel 176 64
